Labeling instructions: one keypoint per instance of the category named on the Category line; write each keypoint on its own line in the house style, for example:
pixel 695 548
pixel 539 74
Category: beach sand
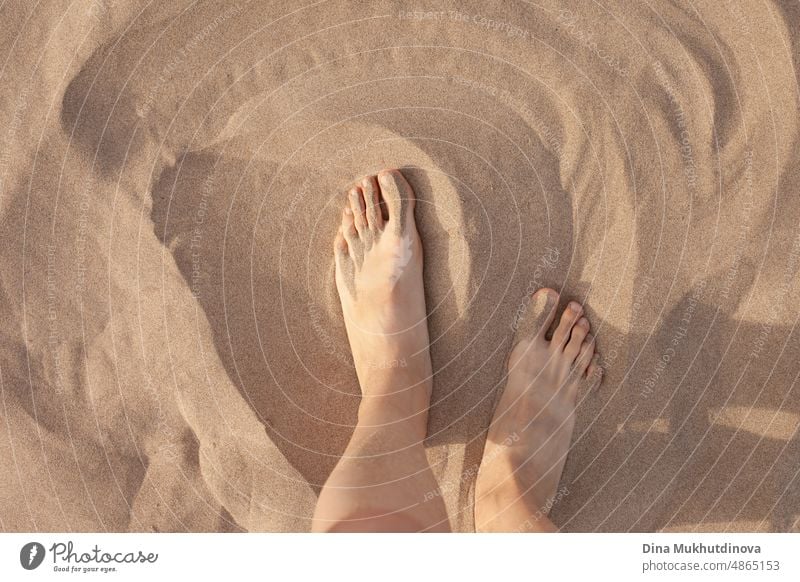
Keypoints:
pixel 173 354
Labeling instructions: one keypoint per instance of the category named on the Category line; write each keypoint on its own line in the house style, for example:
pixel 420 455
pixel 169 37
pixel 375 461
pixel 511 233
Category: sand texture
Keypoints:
pixel 173 354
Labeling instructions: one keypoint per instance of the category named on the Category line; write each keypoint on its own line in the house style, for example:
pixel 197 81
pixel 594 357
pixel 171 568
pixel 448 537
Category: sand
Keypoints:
pixel 173 354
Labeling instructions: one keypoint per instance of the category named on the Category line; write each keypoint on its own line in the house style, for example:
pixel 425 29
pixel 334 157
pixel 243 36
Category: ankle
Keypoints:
pixel 404 388
pixel 394 410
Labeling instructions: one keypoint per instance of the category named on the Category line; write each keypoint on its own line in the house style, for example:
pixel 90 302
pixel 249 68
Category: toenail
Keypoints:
pixel 576 307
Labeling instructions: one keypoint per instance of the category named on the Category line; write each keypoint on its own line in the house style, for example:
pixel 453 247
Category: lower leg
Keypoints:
pixel 383 481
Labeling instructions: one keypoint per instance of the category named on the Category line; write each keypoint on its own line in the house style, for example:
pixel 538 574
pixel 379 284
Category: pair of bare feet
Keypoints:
pixel 383 481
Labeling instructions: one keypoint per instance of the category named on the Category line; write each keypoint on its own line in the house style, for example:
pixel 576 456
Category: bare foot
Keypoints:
pixel 530 434
pixel 379 280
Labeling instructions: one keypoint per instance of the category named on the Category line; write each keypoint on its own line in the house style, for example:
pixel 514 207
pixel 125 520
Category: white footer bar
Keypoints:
pixel 388 557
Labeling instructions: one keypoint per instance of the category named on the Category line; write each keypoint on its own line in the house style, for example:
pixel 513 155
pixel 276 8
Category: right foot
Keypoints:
pixel 379 280
pixel 530 434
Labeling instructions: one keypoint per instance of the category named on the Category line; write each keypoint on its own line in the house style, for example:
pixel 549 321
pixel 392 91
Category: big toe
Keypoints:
pixel 399 198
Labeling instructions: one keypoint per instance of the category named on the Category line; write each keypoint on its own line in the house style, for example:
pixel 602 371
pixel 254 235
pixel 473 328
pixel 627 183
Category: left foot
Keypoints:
pixel 379 280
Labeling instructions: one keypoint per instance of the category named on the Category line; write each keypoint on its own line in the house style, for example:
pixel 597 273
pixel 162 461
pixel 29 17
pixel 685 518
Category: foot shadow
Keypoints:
pixel 694 430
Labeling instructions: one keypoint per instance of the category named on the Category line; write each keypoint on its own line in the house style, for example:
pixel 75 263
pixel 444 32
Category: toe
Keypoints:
pixel 340 258
pixel 595 372
pixel 538 315
pixel 359 209
pixel 399 198
pixel 568 319
pixel 339 246
pixel 579 332
pixel 594 366
pixel 369 187
pixel 348 227
pixel 586 354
